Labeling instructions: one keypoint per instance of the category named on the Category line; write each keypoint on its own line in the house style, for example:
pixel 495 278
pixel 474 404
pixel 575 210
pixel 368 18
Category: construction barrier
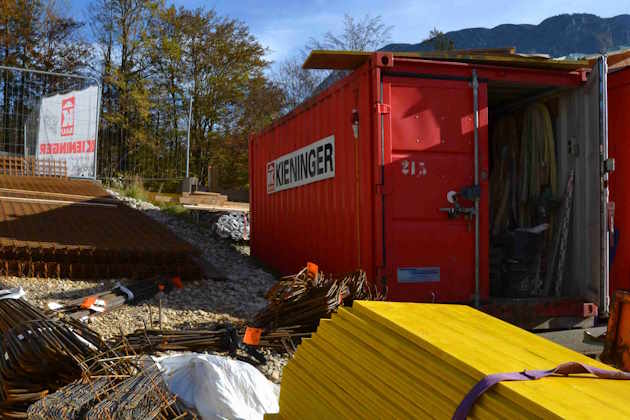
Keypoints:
pixel 402 360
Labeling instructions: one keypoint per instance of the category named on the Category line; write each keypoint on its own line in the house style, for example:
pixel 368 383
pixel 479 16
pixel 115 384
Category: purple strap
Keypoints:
pixel 569 368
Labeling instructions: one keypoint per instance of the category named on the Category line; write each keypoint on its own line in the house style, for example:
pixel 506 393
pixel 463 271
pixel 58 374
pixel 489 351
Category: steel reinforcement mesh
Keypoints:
pixel 51 227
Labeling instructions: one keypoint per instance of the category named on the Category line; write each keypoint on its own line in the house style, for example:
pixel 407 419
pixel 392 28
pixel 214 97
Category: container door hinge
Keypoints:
pixel 383 108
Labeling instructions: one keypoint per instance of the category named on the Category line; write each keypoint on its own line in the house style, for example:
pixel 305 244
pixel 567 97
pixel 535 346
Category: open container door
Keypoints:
pixel 582 135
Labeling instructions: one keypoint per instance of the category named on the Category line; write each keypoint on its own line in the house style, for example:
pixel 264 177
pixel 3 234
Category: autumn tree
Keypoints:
pixel 121 29
pixel 37 35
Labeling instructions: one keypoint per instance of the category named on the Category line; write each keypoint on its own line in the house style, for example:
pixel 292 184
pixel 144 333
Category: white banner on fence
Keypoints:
pixel 67 130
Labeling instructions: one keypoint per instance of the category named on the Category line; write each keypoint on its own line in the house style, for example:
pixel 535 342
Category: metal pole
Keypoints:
pixel 188 137
pixel 604 209
pixel 475 86
pixel 25 154
pixel 98 120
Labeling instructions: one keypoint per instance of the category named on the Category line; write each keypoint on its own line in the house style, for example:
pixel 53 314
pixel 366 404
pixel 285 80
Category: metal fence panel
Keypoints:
pixel 46 115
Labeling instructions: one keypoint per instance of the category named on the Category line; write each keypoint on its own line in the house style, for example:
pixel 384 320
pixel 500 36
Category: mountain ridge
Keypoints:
pixel 560 35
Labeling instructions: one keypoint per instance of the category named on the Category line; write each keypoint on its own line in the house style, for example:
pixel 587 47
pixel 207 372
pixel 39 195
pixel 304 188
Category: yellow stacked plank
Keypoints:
pixel 405 360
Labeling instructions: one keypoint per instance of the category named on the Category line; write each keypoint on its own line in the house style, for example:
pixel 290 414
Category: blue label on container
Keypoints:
pixel 418 274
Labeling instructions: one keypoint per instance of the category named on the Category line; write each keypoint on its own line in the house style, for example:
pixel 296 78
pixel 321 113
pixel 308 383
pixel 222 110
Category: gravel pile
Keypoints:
pixel 234 295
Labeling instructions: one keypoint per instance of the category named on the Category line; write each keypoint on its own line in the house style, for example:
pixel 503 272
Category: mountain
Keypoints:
pixel 558 36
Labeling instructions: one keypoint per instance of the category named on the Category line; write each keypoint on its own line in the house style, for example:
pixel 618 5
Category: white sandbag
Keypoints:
pixel 219 387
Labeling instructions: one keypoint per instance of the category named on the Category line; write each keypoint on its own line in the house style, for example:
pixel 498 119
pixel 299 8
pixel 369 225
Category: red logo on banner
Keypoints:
pixel 67 116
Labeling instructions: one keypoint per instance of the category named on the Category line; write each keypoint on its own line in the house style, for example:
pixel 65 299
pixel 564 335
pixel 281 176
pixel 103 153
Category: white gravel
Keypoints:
pixel 234 299
pixel 133 202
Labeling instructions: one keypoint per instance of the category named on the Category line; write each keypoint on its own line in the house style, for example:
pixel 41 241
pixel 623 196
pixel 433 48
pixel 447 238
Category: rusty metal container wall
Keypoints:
pixel 328 222
pixel 618 137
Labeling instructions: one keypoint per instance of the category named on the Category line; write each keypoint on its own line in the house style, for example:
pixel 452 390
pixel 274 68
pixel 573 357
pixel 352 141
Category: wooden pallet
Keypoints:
pixel 31 166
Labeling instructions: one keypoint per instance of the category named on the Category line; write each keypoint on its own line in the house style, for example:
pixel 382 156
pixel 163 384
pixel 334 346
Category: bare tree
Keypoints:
pixel 296 83
pixel 367 34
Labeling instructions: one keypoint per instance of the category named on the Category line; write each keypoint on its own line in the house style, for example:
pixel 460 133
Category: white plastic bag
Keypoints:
pixel 15 293
pixel 219 387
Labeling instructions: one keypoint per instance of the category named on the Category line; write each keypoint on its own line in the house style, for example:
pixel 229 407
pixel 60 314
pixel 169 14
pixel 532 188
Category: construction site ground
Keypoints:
pixel 234 294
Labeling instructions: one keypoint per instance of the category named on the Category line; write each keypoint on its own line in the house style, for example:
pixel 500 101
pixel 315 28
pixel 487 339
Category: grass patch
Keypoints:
pixel 175 209
pixel 135 189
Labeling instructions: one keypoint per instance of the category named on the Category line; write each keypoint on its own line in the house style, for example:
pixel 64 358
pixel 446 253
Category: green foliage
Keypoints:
pixel 34 34
pixel 169 56
pixel 440 41
pixel 175 210
pixel 135 189
pixel 152 59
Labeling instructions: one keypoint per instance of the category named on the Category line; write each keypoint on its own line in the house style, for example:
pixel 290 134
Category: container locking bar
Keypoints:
pixel 468 193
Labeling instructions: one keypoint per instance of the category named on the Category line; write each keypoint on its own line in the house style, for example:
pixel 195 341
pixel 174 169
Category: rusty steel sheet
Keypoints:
pixel 79 187
pixel 73 228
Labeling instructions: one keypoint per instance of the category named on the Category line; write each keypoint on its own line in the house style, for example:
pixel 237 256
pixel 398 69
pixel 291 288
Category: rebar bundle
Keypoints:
pixel 14 312
pixel 58 368
pixel 39 357
pixel 69 402
pixel 142 396
pixel 86 307
pixel 298 302
pixel 150 341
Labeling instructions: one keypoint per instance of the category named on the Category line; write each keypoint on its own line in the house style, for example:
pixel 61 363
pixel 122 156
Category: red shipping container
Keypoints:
pixel 619 134
pixel 401 134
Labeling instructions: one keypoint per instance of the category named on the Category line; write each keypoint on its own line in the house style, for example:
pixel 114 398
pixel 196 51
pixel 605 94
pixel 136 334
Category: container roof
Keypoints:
pixel 351 60
pixel 616 59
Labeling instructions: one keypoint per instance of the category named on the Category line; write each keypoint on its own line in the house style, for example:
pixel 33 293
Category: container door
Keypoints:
pixel 582 131
pixel 429 225
pixel 619 138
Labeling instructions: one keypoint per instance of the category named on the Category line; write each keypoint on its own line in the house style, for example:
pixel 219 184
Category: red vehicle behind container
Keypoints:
pixel 406 198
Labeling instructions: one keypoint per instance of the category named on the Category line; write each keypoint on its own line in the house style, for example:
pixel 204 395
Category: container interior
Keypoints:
pixel 544 186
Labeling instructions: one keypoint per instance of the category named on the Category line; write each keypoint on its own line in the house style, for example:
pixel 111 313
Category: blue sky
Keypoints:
pixel 285 26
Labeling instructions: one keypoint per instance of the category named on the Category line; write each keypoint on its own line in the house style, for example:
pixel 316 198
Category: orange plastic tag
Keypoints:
pixel 177 282
pixel 89 301
pixel 252 336
pixel 312 269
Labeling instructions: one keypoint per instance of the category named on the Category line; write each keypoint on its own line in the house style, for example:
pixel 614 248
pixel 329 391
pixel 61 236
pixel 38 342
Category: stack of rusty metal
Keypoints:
pixel 140 395
pixel 54 367
pixel 41 354
pixel 131 387
pixel 155 340
pixel 57 227
pixel 297 303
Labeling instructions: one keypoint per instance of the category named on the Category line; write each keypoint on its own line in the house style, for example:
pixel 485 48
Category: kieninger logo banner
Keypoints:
pixel 312 163
pixel 67 130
